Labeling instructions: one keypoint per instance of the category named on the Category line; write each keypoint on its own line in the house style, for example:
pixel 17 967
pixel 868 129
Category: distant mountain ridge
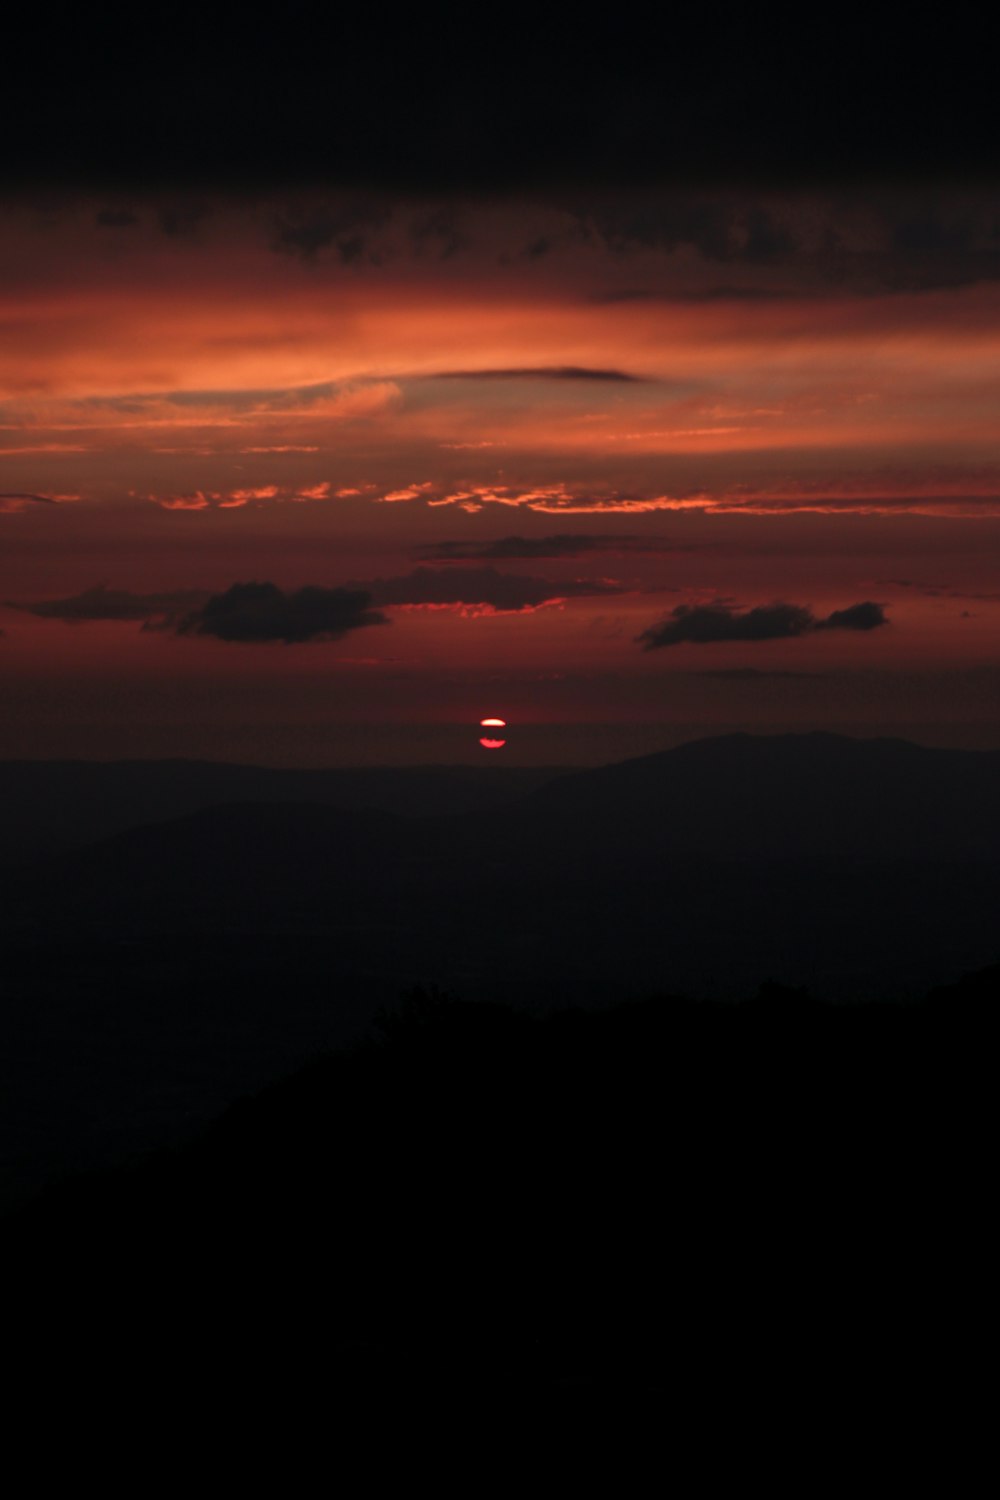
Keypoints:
pixel 735 796
pixel 47 807
pixel 784 796
pixel 151 975
pixel 794 855
pixel 726 796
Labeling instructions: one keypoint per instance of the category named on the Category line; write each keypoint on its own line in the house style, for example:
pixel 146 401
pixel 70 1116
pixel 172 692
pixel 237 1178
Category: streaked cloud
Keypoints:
pixel 104 603
pixel 501 592
pixel 562 544
pixel 15 500
pixel 539 372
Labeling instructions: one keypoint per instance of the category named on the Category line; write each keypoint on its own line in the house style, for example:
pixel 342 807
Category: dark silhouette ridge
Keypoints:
pixel 735 794
pixel 797 795
pixel 50 806
pixel 150 978
pixel 591 1205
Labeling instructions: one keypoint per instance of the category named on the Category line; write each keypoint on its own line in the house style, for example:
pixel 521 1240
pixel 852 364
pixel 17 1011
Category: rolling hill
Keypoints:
pixel 156 973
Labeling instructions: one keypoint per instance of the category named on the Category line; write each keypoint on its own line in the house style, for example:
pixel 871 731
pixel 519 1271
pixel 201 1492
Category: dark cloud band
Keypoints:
pixel 101 603
pixel 256 612
pixel 263 612
pixel 705 624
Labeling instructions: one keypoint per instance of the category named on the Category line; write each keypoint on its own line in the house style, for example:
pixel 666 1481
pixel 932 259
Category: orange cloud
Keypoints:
pixel 197 501
pixel 410 492
pixel 738 395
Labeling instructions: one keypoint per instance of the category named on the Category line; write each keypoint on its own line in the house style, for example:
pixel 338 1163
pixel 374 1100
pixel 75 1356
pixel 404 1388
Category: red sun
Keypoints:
pixel 490 740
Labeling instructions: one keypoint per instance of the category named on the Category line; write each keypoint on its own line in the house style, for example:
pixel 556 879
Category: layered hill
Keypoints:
pixel 155 973
pixel 48 807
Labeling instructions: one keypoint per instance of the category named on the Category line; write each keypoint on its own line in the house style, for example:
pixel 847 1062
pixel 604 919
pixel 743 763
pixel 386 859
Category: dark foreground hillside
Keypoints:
pixel 683 1208
pixel 153 976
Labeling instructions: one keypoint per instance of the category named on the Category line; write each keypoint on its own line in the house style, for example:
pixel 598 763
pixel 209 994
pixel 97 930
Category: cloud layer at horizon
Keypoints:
pixel 517 427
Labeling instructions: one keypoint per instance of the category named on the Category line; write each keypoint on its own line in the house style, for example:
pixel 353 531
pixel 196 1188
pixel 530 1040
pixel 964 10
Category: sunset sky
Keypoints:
pixel 622 458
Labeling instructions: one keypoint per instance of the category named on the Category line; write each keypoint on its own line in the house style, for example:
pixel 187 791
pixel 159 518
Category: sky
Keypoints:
pixel 671 424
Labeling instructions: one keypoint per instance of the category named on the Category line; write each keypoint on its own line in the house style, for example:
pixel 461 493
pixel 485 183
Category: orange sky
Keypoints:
pixel 334 393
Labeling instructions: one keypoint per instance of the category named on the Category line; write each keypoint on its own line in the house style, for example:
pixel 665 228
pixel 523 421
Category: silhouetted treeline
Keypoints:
pixel 621 1203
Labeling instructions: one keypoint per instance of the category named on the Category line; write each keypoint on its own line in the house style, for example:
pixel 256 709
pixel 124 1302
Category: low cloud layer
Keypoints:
pixel 263 612
pixel 346 230
pixel 483 586
pixel 102 603
pixel 563 544
pixel 942 590
pixel 706 624
pixel 754 674
pixel 18 499
pixel 862 243
pixel 254 612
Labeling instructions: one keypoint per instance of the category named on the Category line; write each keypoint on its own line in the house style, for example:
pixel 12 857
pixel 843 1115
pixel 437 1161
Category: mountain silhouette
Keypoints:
pixel 52 806
pixel 780 796
pixel 481 1202
pixel 798 853
pixel 154 974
